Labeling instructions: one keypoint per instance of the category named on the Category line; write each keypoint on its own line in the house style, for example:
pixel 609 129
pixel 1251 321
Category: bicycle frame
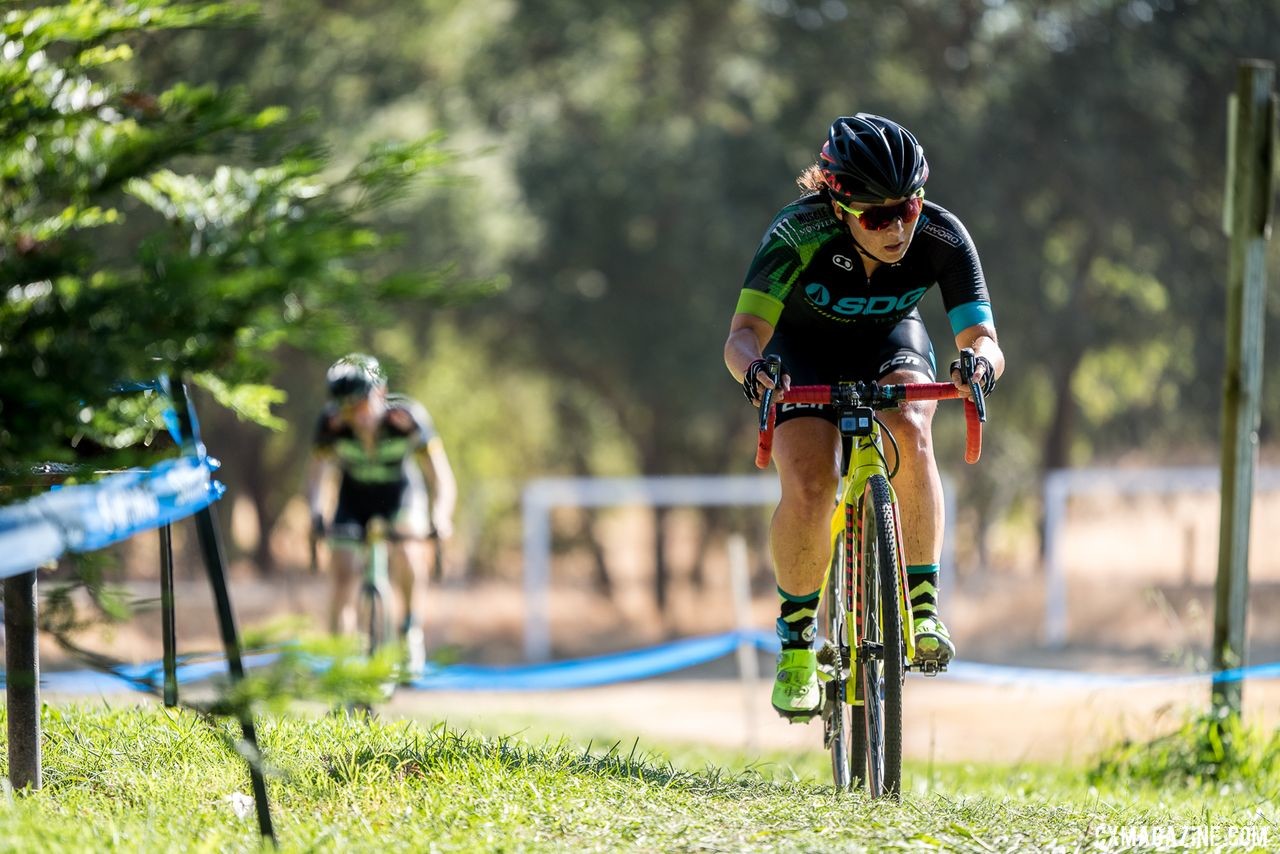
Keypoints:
pixel 373 593
pixel 866 459
pixel 866 640
pixel 375 586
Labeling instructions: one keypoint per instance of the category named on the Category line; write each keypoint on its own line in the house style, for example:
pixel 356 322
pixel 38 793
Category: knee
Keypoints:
pixel 912 427
pixel 811 492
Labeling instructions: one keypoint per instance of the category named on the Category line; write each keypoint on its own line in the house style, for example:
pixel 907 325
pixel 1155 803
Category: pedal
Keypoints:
pixel 929 667
pixel 799 717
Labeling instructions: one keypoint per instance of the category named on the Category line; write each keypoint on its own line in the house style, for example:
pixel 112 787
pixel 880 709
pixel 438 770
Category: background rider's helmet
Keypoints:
pixel 354 376
pixel 869 158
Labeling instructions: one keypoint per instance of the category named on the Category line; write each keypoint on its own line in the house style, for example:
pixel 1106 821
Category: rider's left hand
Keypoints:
pixel 981 375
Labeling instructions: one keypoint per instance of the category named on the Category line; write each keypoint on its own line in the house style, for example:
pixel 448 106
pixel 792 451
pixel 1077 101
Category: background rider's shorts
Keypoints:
pixel 864 356
pixel 403 504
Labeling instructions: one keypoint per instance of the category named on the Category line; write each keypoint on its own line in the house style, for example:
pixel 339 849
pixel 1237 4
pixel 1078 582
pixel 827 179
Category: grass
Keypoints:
pixel 144 778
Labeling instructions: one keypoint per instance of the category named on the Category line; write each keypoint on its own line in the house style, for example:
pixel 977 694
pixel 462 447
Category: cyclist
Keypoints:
pixel 832 291
pixel 379 447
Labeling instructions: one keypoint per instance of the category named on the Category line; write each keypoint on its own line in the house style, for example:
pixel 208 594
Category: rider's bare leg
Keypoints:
pixel 806 452
pixel 917 483
pixel 344 559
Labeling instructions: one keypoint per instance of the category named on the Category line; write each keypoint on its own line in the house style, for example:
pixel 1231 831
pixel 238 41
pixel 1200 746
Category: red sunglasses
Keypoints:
pixel 882 216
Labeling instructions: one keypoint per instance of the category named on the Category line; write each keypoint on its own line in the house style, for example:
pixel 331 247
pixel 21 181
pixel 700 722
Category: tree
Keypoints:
pixel 175 232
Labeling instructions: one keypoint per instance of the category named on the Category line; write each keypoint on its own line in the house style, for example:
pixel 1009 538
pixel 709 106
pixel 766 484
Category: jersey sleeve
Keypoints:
pixel 778 262
pixel 424 428
pixel 960 278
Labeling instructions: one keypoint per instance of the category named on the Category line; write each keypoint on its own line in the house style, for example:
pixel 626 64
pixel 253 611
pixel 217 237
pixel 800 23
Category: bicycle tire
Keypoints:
pixel 371 614
pixel 856 702
pixel 881 654
pixel 837 724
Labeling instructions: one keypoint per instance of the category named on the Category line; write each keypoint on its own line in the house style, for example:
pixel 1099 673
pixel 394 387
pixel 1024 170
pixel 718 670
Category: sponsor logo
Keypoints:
pixel 946 235
pixel 795 407
pixel 903 360
pixel 819 297
pixel 810 632
pixel 842 262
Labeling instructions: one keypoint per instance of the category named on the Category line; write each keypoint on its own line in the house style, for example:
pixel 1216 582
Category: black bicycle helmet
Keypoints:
pixel 354 376
pixel 869 158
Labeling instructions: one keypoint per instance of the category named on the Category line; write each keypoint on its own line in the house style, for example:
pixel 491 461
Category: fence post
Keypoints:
pixel 22 680
pixel 168 631
pixel 1247 221
pixel 216 566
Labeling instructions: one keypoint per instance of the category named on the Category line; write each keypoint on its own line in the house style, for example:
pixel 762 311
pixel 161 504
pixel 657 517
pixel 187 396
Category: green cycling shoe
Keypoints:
pixel 796 690
pixel 934 649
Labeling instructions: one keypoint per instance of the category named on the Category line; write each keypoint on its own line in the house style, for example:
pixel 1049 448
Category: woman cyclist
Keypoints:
pixel 389 463
pixel 832 290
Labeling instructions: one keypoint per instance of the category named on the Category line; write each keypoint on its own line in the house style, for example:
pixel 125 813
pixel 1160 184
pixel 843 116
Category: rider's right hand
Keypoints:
pixel 756 379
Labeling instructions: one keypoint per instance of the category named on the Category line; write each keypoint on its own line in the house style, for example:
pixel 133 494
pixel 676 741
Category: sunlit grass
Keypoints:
pixel 143 778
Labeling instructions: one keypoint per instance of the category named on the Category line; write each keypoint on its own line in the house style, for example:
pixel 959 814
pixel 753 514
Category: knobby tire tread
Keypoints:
pixel 879 527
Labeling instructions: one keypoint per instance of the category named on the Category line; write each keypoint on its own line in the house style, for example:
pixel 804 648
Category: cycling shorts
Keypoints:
pixel 403 505
pixel 903 346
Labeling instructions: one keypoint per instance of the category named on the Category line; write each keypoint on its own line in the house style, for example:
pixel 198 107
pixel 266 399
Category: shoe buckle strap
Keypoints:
pixel 788 634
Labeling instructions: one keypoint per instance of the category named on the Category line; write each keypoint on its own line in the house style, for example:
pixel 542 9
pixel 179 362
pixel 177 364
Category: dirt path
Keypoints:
pixel 948 721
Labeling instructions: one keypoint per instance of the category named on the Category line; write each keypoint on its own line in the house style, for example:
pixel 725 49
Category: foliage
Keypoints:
pixel 626 159
pixel 168 231
pixel 146 778
pixel 1214 748
pixel 303 665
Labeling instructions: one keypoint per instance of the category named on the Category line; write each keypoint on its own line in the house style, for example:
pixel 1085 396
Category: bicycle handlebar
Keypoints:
pixel 877 397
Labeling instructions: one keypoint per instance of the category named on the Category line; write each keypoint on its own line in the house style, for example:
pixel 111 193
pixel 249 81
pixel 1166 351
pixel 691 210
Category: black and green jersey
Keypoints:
pixel 807 277
pixel 406 428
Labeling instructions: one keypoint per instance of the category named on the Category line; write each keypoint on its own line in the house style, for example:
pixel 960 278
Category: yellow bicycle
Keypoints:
pixel 869 643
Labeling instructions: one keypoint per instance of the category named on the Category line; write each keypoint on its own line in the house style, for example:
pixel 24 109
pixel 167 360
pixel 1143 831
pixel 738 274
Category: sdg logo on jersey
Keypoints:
pixel 819 297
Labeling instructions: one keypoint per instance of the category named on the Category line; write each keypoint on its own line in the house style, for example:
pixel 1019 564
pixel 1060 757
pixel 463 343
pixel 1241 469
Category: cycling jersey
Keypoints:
pixel 807 277
pixel 384 480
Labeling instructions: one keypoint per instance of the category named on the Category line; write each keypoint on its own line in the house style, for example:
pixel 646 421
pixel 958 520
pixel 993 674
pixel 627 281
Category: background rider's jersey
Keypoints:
pixel 807 277
pixel 405 429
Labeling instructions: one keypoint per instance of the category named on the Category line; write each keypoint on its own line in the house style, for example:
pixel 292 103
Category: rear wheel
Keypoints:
pixel 880 649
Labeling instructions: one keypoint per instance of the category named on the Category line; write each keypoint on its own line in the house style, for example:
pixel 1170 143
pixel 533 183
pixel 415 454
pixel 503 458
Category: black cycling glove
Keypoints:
pixel 988 375
pixel 750 380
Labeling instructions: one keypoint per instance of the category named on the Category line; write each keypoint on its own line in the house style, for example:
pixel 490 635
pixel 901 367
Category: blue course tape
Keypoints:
pixel 89 516
pixel 633 665
pixel 588 672
pixel 998 674
pixel 138 677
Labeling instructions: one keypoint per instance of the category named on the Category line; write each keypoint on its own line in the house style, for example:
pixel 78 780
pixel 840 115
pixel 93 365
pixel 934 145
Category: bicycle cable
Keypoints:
pixel 897 457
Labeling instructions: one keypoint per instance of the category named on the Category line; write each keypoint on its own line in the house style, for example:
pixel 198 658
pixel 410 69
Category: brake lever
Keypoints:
pixel 968 364
pixel 773 367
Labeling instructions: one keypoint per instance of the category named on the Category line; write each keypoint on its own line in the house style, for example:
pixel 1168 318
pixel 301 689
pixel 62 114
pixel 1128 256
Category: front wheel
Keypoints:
pixel 880 648
pixel 372 619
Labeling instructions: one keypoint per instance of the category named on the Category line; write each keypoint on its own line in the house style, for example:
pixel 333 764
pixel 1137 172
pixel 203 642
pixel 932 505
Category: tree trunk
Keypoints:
pixel 599 565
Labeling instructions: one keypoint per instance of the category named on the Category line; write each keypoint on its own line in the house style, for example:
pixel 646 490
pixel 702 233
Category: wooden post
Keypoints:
pixel 22 680
pixel 1247 221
